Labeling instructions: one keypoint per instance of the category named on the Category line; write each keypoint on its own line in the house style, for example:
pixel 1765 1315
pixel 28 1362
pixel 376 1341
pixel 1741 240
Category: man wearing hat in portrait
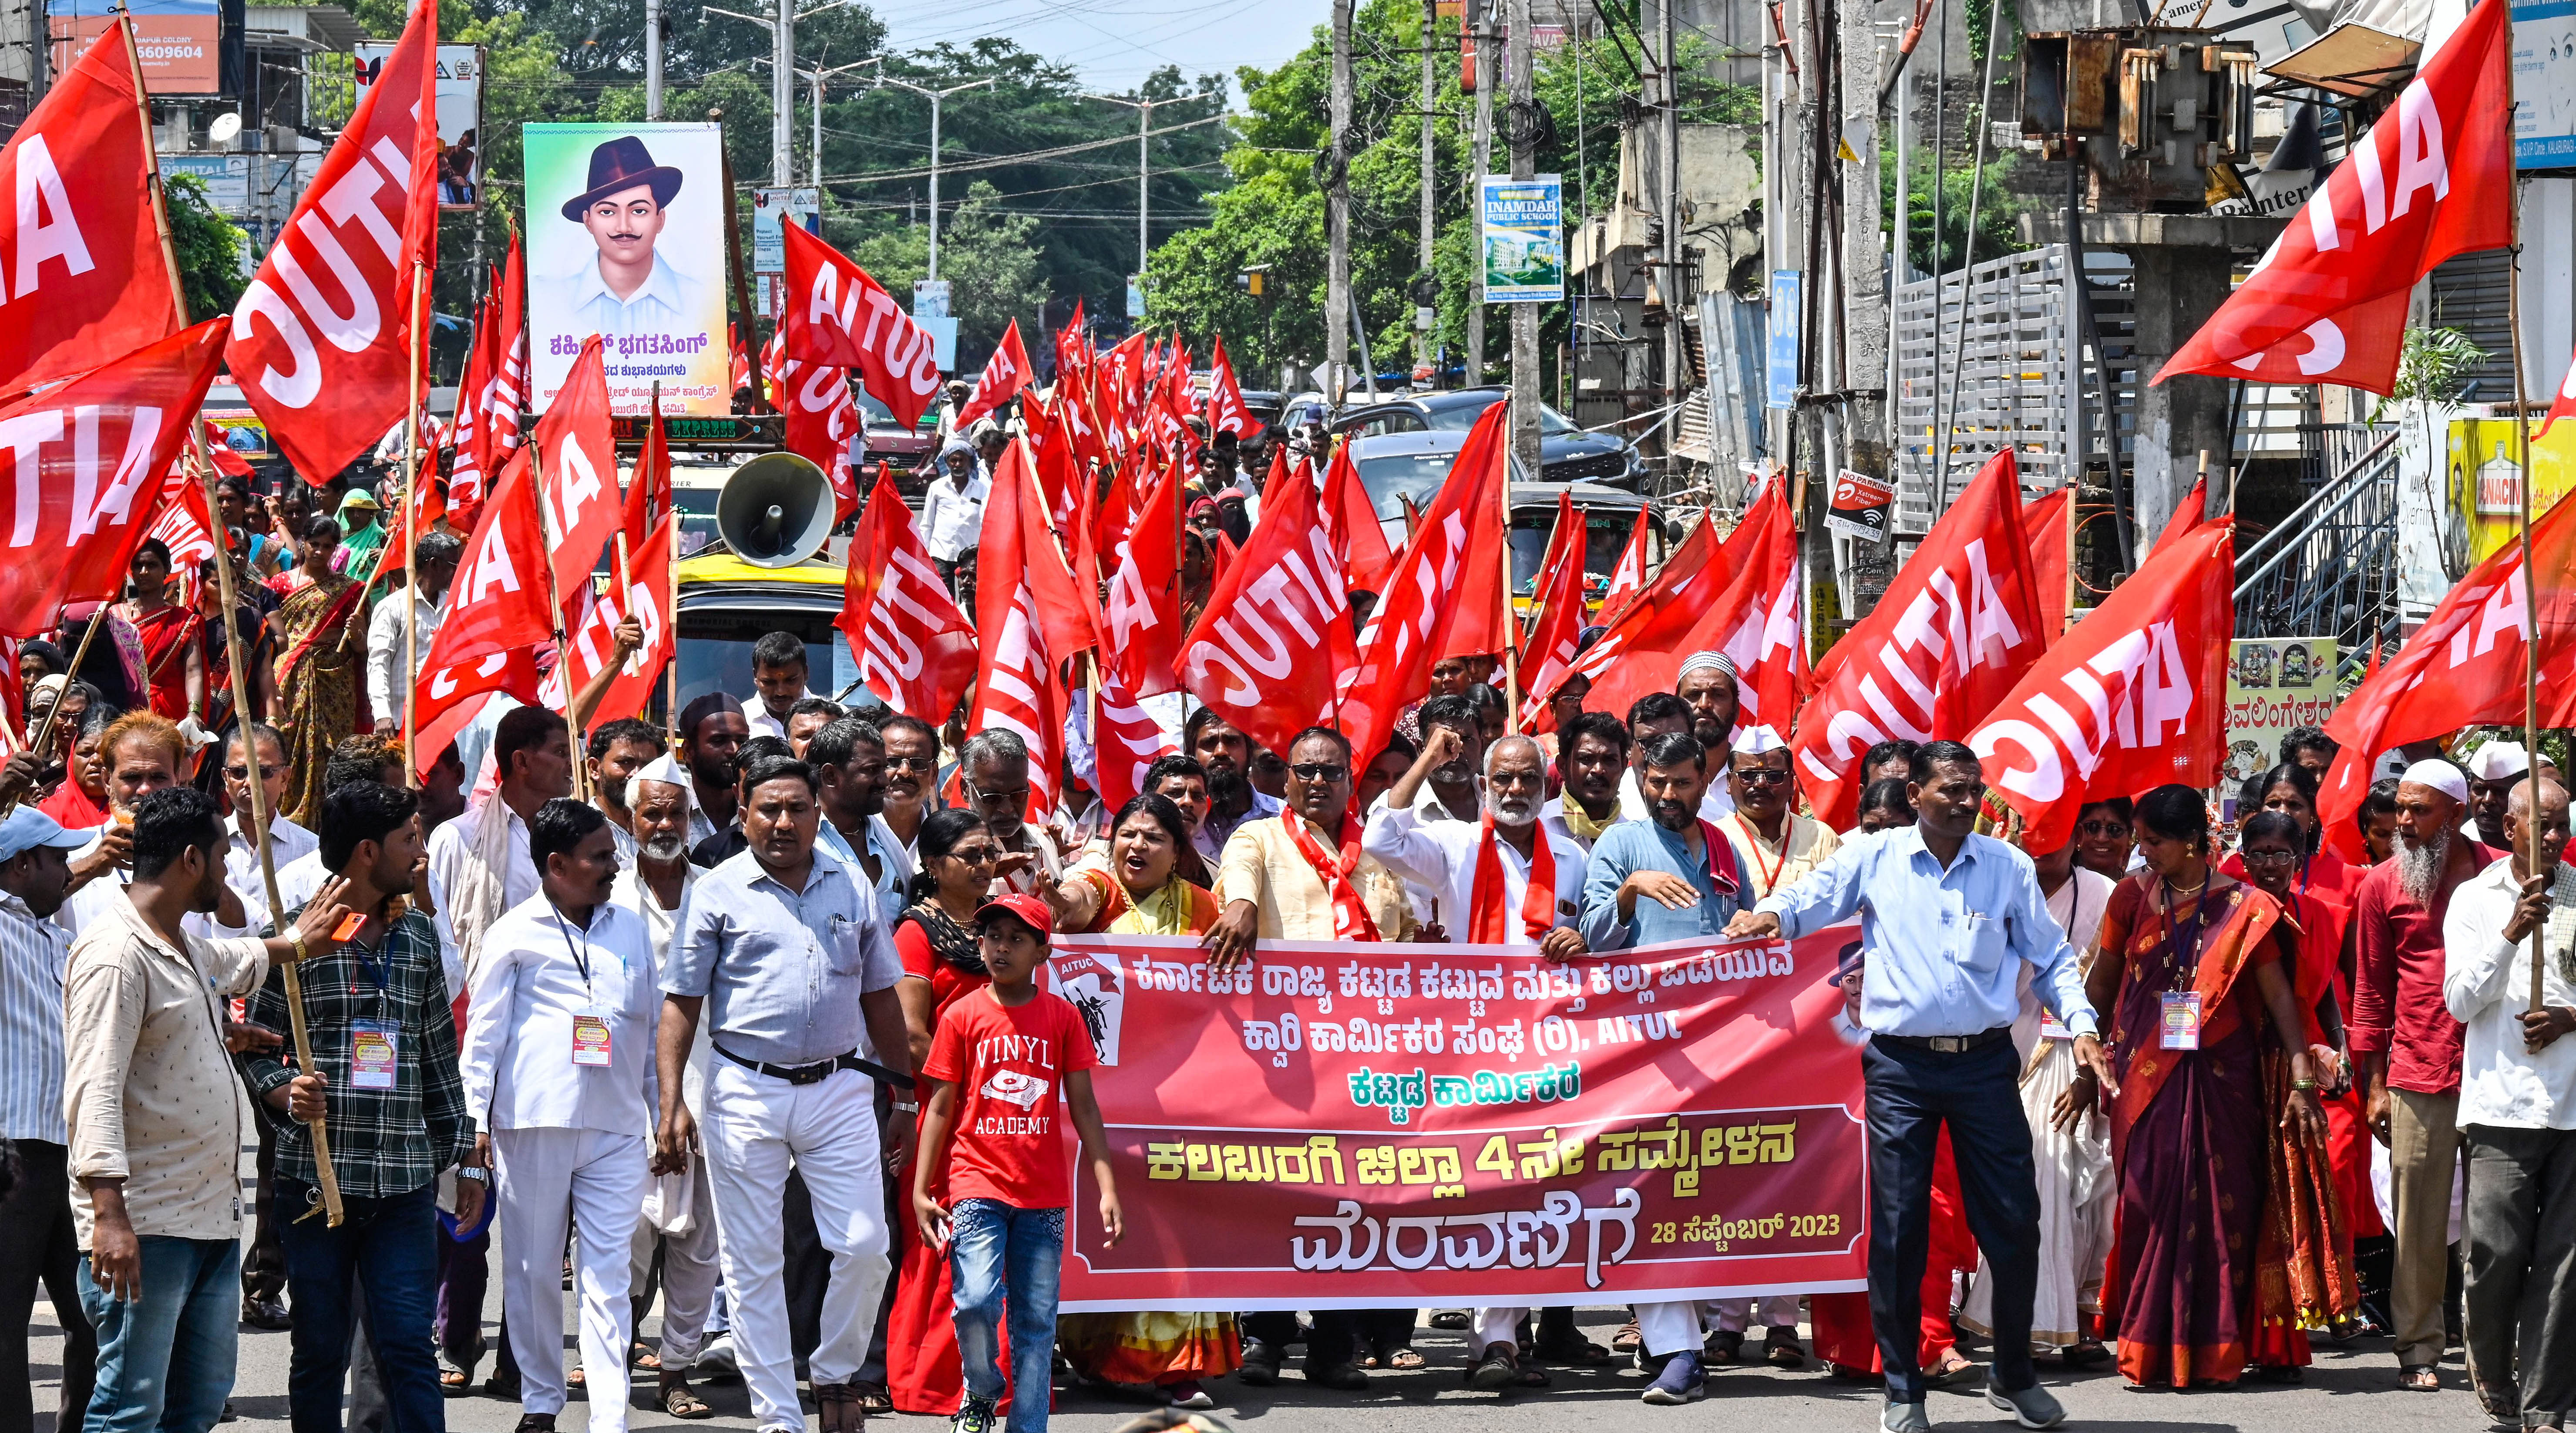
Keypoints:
pixel 632 288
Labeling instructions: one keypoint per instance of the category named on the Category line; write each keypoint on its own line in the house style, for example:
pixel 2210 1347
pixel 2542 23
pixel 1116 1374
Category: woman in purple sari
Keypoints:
pixel 2190 968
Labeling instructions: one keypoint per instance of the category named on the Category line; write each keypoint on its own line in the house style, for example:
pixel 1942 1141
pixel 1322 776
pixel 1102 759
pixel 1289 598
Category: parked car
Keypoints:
pixel 906 452
pixel 1411 466
pixel 1566 453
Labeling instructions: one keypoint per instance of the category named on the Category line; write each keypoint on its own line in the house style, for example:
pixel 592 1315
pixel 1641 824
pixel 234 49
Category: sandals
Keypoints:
pixel 679 1402
pixel 2419 1378
pixel 2087 1353
pixel 643 1356
pixel 836 1408
pixel 454 1382
pixel 1401 1358
pixel 1572 1349
pixel 1963 1374
pixel 874 1399
pixel 1627 1338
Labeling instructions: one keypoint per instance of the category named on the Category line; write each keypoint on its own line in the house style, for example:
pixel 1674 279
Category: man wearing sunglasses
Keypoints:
pixel 287 841
pixel 995 767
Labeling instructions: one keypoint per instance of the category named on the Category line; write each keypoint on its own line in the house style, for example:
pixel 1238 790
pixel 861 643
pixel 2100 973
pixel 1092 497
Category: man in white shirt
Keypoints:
pixel 849 761
pixel 433 559
pixel 630 288
pixel 2518 1112
pixel 479 869
pixel 287 841
pixel 952 508
pixel 778 673
pixel 558 1071
pixel 617 750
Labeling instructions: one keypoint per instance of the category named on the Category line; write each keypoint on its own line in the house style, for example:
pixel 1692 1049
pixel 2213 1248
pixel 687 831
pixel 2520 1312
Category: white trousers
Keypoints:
pixel 1493 1326
pixel 1778 1311
pixel 596 1179
pixel 755 1126
pixel 1667 1328
pixel 689 1273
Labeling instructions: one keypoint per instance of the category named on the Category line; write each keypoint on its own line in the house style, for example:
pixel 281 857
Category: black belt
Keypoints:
pixel 820 1071
pixel 1949 1044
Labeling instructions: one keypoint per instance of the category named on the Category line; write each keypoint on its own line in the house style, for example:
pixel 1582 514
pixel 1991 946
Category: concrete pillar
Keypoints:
pixel 2178 288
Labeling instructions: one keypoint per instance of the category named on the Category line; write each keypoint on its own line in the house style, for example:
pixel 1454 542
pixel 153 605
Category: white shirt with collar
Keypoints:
pixel 1713 805
pixel 518 1058
pixel 666 302
pixel 2486 983
pixel 659 921
pixel 1438 859
pixel 287 843
pixel 755 711
pixel 952 518
pixel 385 684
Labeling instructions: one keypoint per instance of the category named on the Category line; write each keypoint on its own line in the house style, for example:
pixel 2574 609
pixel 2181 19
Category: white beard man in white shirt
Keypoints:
pixel 558 1071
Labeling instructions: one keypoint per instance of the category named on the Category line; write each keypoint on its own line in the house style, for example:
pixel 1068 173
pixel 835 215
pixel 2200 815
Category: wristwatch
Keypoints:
pixel 910 1107
pixel 473 1172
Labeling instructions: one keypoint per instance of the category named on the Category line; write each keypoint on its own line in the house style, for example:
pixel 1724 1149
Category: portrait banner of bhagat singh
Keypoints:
pixel 626 240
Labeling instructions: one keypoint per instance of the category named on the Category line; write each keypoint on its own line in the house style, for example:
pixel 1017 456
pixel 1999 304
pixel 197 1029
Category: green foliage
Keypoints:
pixel 208 246
pixel 2432 367
pixel 1998 207
pixel 990 257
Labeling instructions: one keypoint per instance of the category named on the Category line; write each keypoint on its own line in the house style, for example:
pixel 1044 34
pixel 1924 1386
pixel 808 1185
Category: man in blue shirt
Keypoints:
pixel 1669 878
pixel 1949 919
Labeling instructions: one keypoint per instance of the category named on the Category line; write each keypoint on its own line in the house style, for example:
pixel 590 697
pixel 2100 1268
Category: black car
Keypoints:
pixel 1566 453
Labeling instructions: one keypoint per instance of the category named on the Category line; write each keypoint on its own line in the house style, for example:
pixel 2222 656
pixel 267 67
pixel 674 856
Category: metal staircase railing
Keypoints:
pixel 2329 569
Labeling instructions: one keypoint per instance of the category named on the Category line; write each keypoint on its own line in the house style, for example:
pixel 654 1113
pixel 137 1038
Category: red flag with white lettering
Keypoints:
pixel 88 460
pixel 1671 618
pixel 86 276
pixel 1128 743
pixel 2045 519
pixel 1351 517
pixel 839 317
pixel 912 644
pixel 183 526
pixel 2123 703
pixel 2432 179
pixel 497 600
pixel 1225 410
pixel 648 488
pixel 474 395
pixel 2562 405
pixel 592 639
pixel 824 427
pixel 1628 576
pixel 1560 616
pixel 1142 632
pixel 1443 596
pixel 452 694
pixel 2464 666
pixel 322 338
pixel 1029 620
pixel 1005 374
pixel 577 446
pixel 1951 637
pixel 1275 639
pixel 1752 617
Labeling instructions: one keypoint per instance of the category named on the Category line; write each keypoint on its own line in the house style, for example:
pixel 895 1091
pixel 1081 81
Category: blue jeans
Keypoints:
pixel 386 1254
pixel 998 1253
pixel 165 1361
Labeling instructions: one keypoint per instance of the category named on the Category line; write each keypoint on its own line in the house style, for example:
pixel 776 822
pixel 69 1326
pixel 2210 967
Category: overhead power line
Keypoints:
pixel 1007 160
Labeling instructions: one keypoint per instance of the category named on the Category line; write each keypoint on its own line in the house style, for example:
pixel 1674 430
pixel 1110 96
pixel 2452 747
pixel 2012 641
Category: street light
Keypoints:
pixel 1144 120
pixel 816 78
pixel 935 97
pixel 782 84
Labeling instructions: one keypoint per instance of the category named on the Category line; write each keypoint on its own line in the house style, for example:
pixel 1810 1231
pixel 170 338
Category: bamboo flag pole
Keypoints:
pixel 2530 581
pixel 411 583
pixel 326 1176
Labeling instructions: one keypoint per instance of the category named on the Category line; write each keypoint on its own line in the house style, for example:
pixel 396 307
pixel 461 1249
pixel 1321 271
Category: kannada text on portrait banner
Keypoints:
pixel 1388 1126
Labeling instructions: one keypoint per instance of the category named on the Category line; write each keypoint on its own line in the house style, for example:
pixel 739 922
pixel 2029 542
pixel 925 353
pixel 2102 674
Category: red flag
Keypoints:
pixel 2190 513
pixel 1225 410
pixel 1445 593
pixel 1559 619
pixel 2464 666
pixel 1128 743
pixel 322 338
pixel 1750 612
pixel 1142 635
pixel 1029 620
pixel 507 386
pixel 648 490
pixel 839 317
pixel 497 600
pixel 1951 637
pixel 1005 374
pixel 1275 639
pixel 184 527
pixel 227 462
pixel 1350 517
pixel 451 695
pixel 87 276
pixel 2562 405
pixel 909 639
pixel 2126 704
pixel 1658 627
pixel 592 638
pixel 824 427
pixel 577 444
pixel 2433 178
pixel 738 372
pixel 1628 576
pixel 475 392
pixel 88 460
pixel 2048 520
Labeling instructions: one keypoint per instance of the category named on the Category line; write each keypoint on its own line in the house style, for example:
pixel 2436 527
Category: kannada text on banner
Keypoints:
pixel 1350 1126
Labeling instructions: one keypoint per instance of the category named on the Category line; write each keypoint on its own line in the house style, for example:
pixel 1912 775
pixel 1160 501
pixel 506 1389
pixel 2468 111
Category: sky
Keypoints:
pixel 1116 43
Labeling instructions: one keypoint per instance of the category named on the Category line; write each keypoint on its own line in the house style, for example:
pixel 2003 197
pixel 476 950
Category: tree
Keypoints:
pixel 990 258
pixel 208 246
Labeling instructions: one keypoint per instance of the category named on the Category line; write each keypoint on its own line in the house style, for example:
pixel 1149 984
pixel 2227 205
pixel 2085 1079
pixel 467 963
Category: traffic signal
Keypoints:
pixel 1252 280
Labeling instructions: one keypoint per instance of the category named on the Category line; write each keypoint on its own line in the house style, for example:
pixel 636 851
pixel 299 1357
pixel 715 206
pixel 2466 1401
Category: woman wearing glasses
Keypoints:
pixel 2291 790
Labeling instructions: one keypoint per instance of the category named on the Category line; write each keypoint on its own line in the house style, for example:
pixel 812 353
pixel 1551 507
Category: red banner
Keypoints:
pixel 839 317
pixel 1344 1126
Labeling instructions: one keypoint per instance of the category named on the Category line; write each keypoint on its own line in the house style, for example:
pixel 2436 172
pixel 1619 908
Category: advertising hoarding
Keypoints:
pixel 1524 239
pixel 174 40
pixel 460 117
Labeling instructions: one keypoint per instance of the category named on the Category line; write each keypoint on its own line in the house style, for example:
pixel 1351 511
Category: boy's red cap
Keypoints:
pixel 1028 909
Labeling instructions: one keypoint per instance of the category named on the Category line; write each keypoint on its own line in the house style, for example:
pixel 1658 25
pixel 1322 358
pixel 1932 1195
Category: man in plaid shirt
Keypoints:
pixel 384 1048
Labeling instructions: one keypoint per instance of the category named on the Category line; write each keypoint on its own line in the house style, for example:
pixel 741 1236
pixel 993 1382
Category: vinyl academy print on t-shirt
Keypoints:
pixel 1008 1064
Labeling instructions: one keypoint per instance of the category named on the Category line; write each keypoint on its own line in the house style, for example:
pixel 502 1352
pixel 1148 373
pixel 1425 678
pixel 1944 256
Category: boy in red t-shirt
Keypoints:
pixel 1000 1058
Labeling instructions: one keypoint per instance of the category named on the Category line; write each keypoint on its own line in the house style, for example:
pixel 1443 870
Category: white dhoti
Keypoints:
pixel 2078 1199
pixel 689 1270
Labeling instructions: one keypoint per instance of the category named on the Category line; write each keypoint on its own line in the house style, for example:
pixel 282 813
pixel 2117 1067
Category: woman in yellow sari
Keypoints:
pixel 1153 883
pixel 318 666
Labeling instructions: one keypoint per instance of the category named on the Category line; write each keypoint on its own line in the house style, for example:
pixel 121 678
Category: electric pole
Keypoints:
pixel 936 98
pixel 1861 269
pixel 1523 137
pixel 1337 218
pixel 1425 316
pixel 1668 283
pixel 1144 169
pixel 1481 27
pixel 782 95
pixel 652 59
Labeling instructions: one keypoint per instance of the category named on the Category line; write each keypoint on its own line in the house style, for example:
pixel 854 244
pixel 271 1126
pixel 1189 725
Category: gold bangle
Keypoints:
pixel 295 938
pixel 2303 1084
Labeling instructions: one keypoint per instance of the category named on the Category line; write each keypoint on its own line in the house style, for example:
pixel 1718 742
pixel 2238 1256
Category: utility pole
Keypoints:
pixel 1861 269
pixel 816 78
pixel 782 95
pixel 652 60
pixel 1337 219
pixel 936 97
pixel 1669 281
pixel 1422 352
pixel 1525 397
pixel 1144 170
pixel 1482 28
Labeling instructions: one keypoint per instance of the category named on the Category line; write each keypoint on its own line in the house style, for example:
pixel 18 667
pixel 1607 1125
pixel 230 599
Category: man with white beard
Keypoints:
pixel 1504 880
pixel 657 803
pixel 2406 1045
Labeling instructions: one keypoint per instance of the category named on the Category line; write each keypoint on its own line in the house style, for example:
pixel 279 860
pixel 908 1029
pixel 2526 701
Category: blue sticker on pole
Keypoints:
pixel 1780 387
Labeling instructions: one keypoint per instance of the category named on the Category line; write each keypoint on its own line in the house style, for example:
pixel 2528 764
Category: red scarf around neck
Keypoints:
pixel 1350 913
pixel 1486 922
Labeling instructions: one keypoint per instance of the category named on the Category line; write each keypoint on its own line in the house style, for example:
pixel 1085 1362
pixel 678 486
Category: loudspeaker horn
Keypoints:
pixel 775 511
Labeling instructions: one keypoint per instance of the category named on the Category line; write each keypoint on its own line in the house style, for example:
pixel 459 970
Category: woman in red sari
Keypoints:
pixel 174 672
pixel 2192 973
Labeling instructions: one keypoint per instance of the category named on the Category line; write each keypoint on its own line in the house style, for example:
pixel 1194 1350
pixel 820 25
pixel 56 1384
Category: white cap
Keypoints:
pixel 2498 760
pixel 2441 775
pixel 666 769
pixel 1755 740
pixel 1705 662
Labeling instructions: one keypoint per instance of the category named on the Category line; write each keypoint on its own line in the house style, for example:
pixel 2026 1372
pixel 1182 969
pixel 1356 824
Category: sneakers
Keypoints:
pixel 1260 1364
pixel 1903 1418
pixel 2032 1407
pixel 1681 1381
pixel 717 1360
pixel 974 1415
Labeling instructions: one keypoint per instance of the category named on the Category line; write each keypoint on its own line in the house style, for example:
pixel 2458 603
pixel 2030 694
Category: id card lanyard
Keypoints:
pixel 2179 1028
pixel 590 1036
pixel 375 1045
